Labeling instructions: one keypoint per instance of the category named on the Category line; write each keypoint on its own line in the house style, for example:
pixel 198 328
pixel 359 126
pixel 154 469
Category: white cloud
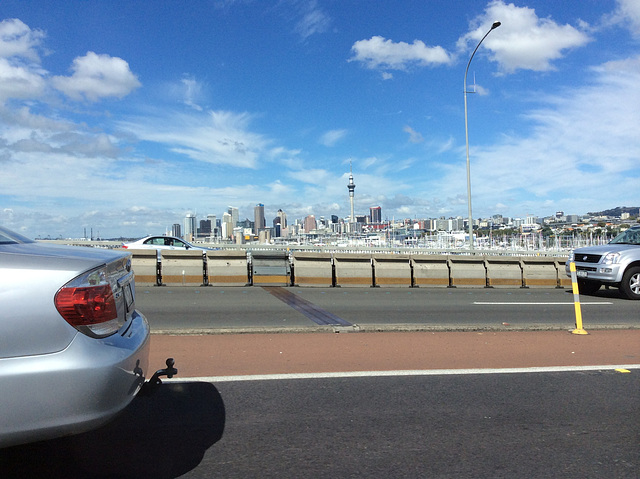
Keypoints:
pixel 626 14
pixel 20 73
pixel 219 137
pixel 314 20
pixel 523 41
pixel 330 138
pixel 414 136
pixel 311 176
pixel 582 150
pixel 380 53
pixel 630 9
pixel 97 76
pixel 192 92
pixel 19 81
pixel 18 40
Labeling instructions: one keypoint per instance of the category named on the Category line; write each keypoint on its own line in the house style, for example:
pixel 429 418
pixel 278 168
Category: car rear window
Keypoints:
pixel 9 237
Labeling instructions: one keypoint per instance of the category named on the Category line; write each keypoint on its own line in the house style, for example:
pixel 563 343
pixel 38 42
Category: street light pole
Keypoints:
pixel 466 132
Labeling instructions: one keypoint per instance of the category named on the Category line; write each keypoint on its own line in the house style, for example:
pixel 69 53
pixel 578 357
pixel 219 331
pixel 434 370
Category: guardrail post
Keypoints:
pixel 158 270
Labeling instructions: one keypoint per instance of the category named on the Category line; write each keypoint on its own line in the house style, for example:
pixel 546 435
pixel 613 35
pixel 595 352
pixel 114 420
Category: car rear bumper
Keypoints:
pixel 73 390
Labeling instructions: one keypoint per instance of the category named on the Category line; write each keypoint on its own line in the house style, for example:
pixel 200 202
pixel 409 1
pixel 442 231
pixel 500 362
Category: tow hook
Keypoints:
pixel 169 371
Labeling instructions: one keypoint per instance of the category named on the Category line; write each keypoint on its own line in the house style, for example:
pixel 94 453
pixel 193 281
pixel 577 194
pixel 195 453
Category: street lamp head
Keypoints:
pixel 495 25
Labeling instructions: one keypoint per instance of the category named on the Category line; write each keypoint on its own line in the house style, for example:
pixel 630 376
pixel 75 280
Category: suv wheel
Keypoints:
pixel 630 285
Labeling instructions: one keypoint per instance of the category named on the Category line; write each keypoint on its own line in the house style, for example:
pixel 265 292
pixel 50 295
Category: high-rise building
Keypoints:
pixel 310 224
pixel 227 226
pixel 176 230
pixel 375 214
pixel 283 218
pixel 235 216
pixel 205 227
pixel 189 226
pixel 258 212
pixel 212 220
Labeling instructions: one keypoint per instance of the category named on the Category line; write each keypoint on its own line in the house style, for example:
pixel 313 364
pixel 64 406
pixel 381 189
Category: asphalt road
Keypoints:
pixel 448 422
pixel 205 309
pixel 536 425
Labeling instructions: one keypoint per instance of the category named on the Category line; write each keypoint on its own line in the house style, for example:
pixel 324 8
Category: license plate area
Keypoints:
pixel 129 297
pixel 581 274
pixel 126 284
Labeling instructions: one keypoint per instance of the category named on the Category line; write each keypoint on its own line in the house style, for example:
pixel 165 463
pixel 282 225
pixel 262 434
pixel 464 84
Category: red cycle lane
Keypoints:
pixel 298 353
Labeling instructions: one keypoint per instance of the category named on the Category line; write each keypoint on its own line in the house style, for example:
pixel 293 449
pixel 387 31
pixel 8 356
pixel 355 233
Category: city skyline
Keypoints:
pixel 120 117
pixel 374 222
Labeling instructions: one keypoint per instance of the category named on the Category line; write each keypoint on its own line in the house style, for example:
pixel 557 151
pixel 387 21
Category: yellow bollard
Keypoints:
pixel 576 300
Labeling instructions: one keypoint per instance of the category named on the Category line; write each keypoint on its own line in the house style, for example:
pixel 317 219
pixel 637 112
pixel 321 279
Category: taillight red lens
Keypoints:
pixel 87 305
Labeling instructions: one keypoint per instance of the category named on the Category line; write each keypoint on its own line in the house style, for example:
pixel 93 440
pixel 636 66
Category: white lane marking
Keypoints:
pixel 494 303
pixel 421 372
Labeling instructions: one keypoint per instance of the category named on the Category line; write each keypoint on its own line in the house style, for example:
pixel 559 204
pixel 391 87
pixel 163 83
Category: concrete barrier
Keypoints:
pixel 430 270
pixel 270 268
pixel 353 270
pixel 468 271
pixel 540 272
pixel 564 281
pixel 182 267
pixel 144 263
pixel 504 272
pixel 313 269
pixel 227 268
pixel 392 270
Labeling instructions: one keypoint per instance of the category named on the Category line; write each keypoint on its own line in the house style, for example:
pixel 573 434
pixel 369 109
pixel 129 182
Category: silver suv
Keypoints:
pixel 614 264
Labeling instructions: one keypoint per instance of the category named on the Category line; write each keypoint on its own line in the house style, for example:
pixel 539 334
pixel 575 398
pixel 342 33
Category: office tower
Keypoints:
pixel 227 227
pixel 212 220
pixel 310 224
pixel 235 217
pixel 176 230
pixel 351 187
pixel 258 212
pixel 205 227
pixel 189 226
pixel 277 226
pixel 375 214
pixel 283 218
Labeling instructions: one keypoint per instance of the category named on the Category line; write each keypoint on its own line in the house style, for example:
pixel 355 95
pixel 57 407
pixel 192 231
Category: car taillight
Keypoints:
pixel 88 304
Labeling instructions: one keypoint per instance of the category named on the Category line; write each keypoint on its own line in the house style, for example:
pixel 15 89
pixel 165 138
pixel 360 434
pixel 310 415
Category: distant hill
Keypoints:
pixel 632 210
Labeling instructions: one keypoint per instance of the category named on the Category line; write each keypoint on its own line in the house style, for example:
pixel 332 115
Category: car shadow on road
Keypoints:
pixel 605 292
pixel 163 434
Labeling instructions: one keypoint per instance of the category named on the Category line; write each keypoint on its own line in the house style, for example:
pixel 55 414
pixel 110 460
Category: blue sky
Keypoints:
pixel 122 116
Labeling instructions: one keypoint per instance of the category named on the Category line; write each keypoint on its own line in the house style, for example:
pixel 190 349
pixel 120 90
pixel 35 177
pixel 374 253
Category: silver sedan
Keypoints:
pixel 73 348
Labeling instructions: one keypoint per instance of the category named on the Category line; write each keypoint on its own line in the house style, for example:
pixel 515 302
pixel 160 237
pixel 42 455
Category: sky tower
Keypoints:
pixel 351 186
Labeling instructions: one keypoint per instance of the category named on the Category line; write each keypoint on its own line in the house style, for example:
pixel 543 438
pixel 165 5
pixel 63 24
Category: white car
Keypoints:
pixel 162 242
